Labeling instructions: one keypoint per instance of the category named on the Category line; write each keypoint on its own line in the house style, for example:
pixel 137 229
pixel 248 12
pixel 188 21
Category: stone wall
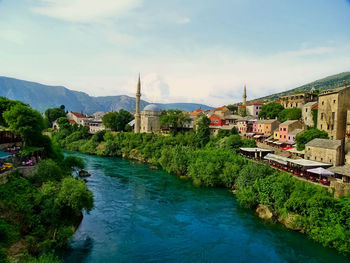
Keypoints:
pixel 339 188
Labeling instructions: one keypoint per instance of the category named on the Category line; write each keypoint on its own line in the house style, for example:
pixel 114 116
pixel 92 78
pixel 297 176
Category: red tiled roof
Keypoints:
pixel 72 122
pixel 79 115
pixel 242 106
pixel 222 109
pixel 256 103
pixel 315 107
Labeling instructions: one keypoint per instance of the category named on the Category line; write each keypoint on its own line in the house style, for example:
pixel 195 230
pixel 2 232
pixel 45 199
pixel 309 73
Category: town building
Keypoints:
pixel 150 119
pixel 266 127
pixel 292 134
pixel 347 132
pixel 245 125
pixel 287 127
pixel 75 117
pixel 307 113
pixel 325 151
pixel 333 106
pixel 298 100
pixel 222 112
pixel 276 134
pixel 253 108
pixel 215 120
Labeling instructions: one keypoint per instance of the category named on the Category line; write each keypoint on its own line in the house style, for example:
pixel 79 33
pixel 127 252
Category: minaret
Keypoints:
pixel 137 114
pixel 244 96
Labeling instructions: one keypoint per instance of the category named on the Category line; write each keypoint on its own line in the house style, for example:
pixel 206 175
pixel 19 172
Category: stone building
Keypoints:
pixel 347 132
pixel 306 112
pixel 325 151
pixel 332 112
pixel 297 100
pixel 150 119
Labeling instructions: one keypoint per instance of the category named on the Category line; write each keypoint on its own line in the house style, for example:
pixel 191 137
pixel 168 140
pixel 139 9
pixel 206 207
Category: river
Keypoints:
pixel 144 215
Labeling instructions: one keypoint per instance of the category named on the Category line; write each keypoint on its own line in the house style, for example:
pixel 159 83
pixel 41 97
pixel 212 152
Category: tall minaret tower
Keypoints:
pixel 137 114
pixel 244 96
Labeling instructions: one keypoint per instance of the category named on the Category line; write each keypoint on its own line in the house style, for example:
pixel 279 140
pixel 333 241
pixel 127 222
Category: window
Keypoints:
pixel 321 126
pixel 322 116
pixel 333 101
pixel 280 136
pixel 306 110
pixel 330 160
pixel 321 159
pixel 333 116
pixel 327 126
pixel 284 129
pixel 285 136
pixel 322 102
pixel 306 118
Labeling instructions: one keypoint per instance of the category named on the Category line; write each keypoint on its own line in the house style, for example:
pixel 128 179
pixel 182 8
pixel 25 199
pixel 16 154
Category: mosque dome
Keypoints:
pixel 152 107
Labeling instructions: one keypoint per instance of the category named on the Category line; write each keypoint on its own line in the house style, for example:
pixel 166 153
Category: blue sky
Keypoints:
pixel 188 51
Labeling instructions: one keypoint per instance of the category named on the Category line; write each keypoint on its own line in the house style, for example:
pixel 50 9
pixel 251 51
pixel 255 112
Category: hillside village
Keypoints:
pixel 323 160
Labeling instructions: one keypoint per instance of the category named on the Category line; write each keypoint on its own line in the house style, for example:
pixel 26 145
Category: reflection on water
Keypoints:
pixel 142 215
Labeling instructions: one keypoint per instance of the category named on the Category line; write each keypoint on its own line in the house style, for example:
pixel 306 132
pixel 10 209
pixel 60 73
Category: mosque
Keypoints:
pixel 148 120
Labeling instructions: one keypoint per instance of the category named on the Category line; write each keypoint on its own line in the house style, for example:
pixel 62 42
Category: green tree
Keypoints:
pixel 74 196
pixel 5 105
pixel 117 121
pixel 63 123
pixel 289 114
pixel 242 111
pixel 23 120
pixel 174 119
pixel 203 131
pixel 53 114
pixel 270 110
pixel 308 135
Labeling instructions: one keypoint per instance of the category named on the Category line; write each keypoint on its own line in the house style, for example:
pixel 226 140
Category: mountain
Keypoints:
pixel 41 97
pixel 329 82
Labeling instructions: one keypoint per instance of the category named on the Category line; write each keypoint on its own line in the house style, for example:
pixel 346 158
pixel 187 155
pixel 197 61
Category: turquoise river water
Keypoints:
pixel 142 215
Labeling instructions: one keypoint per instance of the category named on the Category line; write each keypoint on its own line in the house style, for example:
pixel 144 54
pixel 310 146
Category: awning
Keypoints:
pixel 320 171
pixel 278 143
pixel 257 136
pixel 308 163
pixel 4 155
pixel 277 158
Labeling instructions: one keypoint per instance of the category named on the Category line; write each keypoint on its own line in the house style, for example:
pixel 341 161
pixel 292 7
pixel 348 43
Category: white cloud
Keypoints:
pixel 85 10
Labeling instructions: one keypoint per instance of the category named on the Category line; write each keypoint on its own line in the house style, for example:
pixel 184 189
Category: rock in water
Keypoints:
pixel 264 212
pixel 84 173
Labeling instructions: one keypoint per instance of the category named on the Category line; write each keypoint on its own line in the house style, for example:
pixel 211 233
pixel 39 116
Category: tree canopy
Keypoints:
pixel 5 105
pixel 117 121
pixel 289 114
pixel 203 131
pixel 174 119
pixel 23 120
pixel 308 135
pixel 53 114
pixel 270 110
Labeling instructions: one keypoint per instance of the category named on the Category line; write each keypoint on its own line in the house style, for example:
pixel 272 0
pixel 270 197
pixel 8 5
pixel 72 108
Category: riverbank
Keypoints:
pixel 296 204
pixel 145 215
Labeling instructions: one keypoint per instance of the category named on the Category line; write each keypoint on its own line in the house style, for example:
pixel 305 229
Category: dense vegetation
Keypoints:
pixel 289 114
pixel 308 135
pixel 270 110
pixel 210 161
pixel 118 121
pixel 39 212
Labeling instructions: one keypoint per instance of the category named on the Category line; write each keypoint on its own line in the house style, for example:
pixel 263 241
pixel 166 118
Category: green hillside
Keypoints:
pixel 329 82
